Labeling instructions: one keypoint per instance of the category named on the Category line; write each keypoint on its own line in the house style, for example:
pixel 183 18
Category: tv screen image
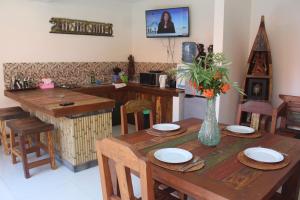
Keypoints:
pixel 171 22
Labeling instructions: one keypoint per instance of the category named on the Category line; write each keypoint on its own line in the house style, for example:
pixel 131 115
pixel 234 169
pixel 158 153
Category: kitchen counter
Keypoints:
pixel 76 126
pixel 162 98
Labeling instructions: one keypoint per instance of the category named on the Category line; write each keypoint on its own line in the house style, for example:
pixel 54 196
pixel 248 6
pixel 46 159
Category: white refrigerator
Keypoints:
pixel 192 104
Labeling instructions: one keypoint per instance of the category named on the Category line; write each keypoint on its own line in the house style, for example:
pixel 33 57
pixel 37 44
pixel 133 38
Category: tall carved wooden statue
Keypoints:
pixel 131 68
pixel 258 81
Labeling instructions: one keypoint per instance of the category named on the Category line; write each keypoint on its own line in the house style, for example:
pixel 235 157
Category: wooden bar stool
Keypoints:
pixel 7 114
pixel 31 127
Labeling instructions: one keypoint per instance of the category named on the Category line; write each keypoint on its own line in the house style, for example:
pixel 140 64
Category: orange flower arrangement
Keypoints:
pixel 210 76
pixel 225 88
pixel 208 93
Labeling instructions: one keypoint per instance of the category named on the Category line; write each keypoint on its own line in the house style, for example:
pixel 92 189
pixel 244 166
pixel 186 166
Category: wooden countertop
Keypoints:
pixel 155 90
pixel 136 87
pixel 47 101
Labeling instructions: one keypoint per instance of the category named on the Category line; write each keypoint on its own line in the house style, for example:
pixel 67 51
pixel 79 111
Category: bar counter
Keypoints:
pixel 77 126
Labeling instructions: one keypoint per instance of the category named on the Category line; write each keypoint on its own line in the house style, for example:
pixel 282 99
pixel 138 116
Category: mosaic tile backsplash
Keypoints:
pixel 74 72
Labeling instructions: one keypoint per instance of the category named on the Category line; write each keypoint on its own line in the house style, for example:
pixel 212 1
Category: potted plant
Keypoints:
pixel 123 77
pixel 172 78
pixel 210 77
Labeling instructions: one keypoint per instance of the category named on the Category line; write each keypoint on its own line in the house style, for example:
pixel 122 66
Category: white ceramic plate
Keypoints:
pixel 240 129
pixel 264 155
pixel 173 155
pixel 166 127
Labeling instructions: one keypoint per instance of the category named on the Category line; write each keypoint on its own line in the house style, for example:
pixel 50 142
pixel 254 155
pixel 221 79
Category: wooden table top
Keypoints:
pixel 47 101
pixel 223 177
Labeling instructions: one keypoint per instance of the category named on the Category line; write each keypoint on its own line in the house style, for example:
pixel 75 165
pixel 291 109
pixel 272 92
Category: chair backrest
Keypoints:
pixel 290 111
pixel 124 158
pixel 137 107
pixel 258 109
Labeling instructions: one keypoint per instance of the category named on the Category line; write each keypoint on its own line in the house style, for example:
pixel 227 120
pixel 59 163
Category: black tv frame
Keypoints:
pixel 167 36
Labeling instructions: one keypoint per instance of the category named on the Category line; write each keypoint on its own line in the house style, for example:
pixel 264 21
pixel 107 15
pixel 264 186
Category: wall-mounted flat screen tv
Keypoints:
pixel 170 22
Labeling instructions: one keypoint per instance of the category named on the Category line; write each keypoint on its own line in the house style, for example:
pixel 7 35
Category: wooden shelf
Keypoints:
pixel 259 61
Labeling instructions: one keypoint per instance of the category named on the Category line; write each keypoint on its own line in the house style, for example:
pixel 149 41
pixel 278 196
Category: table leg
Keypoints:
pixel 290 190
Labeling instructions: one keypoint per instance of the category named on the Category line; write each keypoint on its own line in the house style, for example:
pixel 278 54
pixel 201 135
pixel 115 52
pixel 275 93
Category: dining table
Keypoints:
pixel 224 177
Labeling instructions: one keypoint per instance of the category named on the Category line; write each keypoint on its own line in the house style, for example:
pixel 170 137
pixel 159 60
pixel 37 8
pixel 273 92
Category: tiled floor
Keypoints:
pixel 45 184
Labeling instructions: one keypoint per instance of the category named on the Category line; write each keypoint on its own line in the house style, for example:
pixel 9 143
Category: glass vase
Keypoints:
pixel 209 133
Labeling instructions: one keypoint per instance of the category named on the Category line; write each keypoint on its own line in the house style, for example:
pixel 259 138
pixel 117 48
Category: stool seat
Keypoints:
pixel 6 114
pixel 29 126
pixel 12 113
pixel 11 109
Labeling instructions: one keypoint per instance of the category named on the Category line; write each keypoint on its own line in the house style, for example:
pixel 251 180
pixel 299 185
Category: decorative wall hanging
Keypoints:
pixel 80 27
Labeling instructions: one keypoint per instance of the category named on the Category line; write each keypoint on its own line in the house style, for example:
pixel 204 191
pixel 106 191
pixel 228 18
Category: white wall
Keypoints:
pixel 25 37
pixel 219 9
pixel 235 47
pixel 154 49
pixel 282 19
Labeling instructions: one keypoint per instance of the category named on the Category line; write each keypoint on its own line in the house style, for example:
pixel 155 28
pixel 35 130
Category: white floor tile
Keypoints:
pixel 5 193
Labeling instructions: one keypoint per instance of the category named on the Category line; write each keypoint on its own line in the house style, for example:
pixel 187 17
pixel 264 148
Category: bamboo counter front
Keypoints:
pixel 77 126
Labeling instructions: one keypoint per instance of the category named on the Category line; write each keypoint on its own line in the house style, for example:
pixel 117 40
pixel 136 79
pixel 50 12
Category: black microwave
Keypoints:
pixel 150 78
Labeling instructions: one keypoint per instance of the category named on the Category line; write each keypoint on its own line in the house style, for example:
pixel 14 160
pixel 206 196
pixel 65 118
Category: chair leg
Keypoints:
pixel 1 132
pixel 12 146
pixel 24 156
pixel 4 138
pixel 51 150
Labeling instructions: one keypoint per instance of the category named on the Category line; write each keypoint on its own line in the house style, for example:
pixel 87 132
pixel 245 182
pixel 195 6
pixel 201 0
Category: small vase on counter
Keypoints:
pixel 172 76
pixel 93 78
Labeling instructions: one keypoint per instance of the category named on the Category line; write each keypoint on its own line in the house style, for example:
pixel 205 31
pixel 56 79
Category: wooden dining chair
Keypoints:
pixel 261 112
pixel 125 159
pixel 137 107
pixel 289 114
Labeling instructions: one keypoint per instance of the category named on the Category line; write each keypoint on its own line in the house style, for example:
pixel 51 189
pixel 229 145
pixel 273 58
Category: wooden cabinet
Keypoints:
pixel 161 98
